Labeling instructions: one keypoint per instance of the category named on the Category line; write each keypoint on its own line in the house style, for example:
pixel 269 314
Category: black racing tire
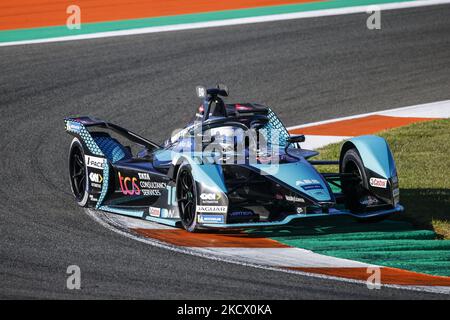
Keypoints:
pixel 187 198
pixel 78 174
pixel 354 189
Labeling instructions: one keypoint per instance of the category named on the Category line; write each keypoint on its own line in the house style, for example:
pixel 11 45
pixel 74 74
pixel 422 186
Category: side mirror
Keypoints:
pixel 211 93
pixel 295 139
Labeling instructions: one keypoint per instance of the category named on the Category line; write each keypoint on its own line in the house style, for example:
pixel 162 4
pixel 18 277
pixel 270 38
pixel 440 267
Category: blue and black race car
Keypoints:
pixel 232 166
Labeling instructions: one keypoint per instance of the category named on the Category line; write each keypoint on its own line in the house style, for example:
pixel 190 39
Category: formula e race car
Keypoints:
pixel 232 166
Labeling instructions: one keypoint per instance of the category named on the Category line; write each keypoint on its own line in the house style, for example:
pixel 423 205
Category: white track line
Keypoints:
pixel 284 257
pixel 439 109
pixel 237 21
pixel 313 142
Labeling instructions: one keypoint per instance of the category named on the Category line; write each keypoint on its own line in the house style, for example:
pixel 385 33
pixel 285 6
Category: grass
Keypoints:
pixel 422 155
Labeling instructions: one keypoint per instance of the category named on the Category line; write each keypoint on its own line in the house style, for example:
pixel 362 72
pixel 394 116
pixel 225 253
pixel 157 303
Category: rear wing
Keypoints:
pixel 76 126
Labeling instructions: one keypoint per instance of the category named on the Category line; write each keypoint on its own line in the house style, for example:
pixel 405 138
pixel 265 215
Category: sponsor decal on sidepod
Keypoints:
pixel 154 212
pixel 129 186
pixel 150 188
pixel 144 176
pixel 133 186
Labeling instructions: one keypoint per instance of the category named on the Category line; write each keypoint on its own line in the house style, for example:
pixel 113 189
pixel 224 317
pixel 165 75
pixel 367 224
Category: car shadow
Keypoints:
pixel 422 206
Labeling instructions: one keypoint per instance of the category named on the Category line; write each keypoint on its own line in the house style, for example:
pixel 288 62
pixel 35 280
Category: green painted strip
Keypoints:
pixel 388 243
pixel 88 28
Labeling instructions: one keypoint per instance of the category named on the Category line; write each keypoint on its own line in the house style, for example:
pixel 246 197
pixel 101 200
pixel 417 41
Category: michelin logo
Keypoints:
pixel 210 218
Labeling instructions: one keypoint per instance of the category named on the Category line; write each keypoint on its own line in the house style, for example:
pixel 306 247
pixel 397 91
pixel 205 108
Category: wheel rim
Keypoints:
pixel 77 173
pixel 186 198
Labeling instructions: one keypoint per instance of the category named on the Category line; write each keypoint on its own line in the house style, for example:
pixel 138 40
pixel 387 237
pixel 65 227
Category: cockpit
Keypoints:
pixel 232 128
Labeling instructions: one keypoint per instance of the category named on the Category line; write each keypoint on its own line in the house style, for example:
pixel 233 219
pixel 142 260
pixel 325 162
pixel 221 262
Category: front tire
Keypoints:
pixel 355 188
pixel 78 176
pixel 187 198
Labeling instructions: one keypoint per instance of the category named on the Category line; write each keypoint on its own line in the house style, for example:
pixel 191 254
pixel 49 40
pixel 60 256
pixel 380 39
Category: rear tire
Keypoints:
pixel 78 176
pixel 187 198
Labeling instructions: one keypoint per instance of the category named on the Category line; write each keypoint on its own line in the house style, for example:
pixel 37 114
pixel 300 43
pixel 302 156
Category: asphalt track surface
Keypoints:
pixel 307 70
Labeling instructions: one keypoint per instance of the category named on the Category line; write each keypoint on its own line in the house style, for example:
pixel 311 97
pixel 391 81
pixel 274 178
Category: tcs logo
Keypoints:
pixel 129 186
